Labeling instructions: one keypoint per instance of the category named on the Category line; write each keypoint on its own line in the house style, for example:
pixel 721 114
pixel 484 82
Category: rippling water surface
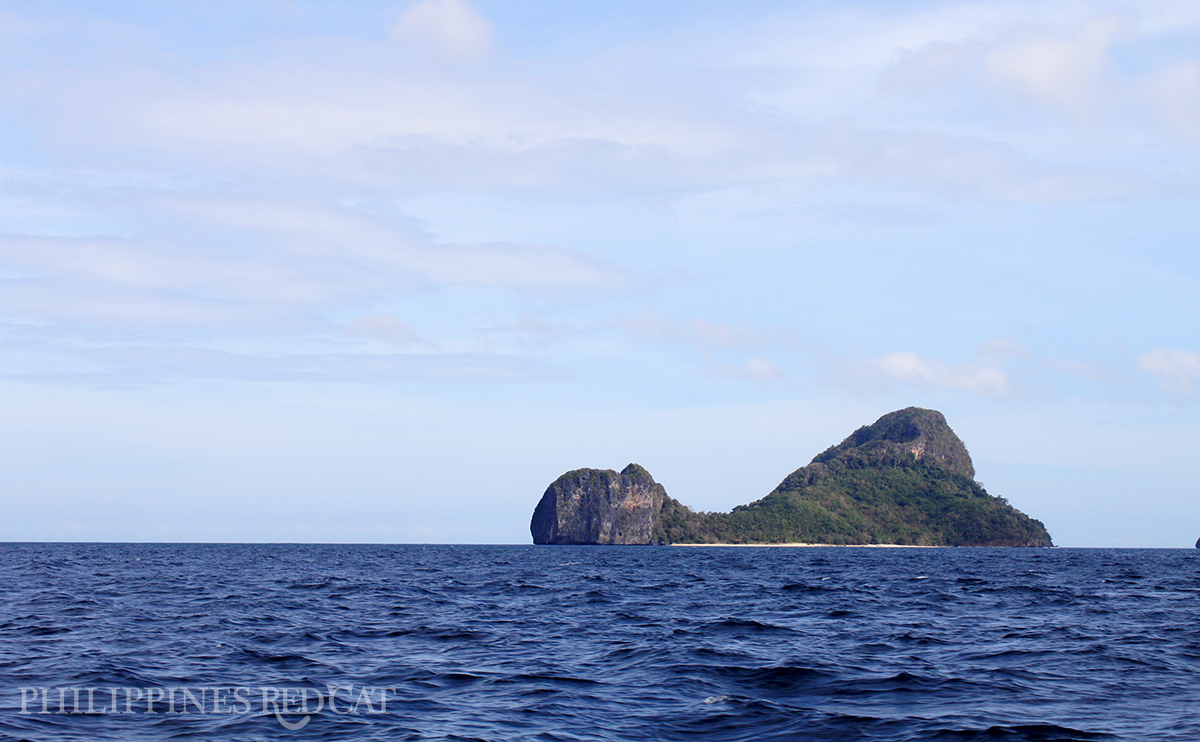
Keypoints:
pixel 600 643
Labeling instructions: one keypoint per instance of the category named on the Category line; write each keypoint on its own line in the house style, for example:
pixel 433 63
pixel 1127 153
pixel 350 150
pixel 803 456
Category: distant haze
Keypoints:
pixel 381 272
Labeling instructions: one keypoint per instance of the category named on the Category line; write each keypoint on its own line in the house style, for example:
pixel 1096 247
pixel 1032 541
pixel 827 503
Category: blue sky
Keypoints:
pixel 369 271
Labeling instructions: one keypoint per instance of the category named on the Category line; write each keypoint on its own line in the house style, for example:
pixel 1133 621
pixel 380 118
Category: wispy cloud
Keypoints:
pixel 1060 71
pixel 1175 91
pixel 364 113
pixel 454 27
pixel 907 367
pixel 1074 67
pixel 906 370
pixel 125 365
pixel 1176 370
pixel 301 262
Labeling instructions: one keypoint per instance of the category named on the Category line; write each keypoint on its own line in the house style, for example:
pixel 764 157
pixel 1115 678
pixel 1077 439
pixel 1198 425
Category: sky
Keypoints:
pixel 276 271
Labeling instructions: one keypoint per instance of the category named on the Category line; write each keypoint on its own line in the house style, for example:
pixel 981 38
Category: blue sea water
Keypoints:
pixel 596 643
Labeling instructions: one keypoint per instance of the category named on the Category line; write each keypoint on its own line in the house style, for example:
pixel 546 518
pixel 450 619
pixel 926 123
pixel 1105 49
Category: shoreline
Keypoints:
pixel 832 546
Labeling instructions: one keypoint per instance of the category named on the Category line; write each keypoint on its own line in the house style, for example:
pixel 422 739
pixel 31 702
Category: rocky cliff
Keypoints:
pixel 599 506
pixel 906 479
pixel 922 433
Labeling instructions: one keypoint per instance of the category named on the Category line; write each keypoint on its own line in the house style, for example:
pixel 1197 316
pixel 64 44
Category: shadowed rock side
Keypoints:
pixel 906 479
pixel 599 506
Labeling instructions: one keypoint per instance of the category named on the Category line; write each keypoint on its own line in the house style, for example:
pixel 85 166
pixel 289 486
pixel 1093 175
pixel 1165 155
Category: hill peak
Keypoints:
pixel 923 433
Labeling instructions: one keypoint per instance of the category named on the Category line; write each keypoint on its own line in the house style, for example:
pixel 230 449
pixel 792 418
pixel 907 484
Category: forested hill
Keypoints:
pixel 906 479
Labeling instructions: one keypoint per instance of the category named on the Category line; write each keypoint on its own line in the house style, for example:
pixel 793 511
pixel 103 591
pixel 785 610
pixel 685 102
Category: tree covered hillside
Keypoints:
pixel 907 479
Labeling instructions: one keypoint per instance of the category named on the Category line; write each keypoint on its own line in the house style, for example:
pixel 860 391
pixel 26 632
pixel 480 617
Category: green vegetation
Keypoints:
pixel 905 480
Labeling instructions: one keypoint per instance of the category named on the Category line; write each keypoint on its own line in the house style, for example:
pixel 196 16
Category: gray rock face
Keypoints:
pixel 922 433
pixel 599 506
pixel 890 441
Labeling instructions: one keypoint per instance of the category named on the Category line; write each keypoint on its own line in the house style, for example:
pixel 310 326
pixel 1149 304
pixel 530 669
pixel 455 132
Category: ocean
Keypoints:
pixel 366 642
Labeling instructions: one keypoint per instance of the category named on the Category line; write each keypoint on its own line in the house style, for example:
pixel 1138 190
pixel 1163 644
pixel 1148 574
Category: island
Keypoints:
pixel 905 480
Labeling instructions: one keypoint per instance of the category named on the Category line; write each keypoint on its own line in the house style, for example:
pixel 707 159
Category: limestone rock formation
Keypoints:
pixel 599 506
pixel 922 433
pixel 906 479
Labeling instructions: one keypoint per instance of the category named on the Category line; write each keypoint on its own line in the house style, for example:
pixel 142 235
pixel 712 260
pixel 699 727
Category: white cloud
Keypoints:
pixel 290 267
pixel 453 26
pixel 1175 90
pixel 1109 75
pixel 906 367
pixel 1176 371
pixel 1065 72
pixel 372 118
